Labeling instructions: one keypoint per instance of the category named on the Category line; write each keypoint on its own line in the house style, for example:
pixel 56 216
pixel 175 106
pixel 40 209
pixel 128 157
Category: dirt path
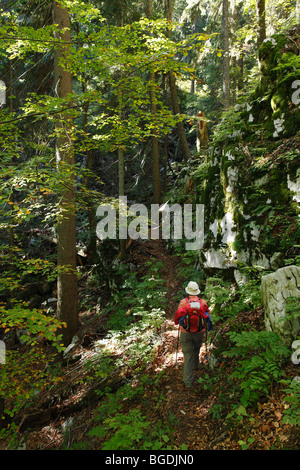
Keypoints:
pixel 195 428
pixel 195 425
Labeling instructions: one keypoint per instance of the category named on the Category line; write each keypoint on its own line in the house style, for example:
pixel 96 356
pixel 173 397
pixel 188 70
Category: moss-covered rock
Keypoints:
pixel 251 211
pixel 249 183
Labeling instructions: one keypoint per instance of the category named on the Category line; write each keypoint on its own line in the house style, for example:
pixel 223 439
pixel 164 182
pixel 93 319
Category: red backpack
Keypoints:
pixel 193 317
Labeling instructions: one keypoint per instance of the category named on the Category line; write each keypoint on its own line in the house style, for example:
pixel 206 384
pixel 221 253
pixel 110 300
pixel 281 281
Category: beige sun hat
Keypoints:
pixel 192 288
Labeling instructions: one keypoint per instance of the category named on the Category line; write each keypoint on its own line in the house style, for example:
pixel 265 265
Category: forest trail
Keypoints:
pixel 194 426
pixel 188 408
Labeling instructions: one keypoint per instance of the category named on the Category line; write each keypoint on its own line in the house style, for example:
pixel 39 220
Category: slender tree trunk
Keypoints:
pixel 11 198
pixel 166 158
pixel 67 308
pixel 186 154
pixel 155 146
pixel 192 89
pixel 234 46
pixel 121 164
pixel 121 174
pixel 155 143
pixel 261 19
pixel 226 60
pixel 92 243
pixel 241 72
pixel 121 192
pixel 92 240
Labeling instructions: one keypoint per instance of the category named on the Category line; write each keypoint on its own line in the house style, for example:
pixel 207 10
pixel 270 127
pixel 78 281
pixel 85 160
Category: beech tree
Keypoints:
pixel 226 58
pixel 261 20
pixel 173 90
pixel 67 308
pixel 154 138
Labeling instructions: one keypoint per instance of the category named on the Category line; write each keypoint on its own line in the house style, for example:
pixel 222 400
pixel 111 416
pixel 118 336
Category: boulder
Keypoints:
pixel 276 289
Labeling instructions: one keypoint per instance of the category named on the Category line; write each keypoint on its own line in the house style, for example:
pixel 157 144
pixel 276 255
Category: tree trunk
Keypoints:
pixel 67 308
pixel 121 165
pixel 11 198
pixel 202 132
pixel 234 46
pixel 241 72
pixel 92 240
pixel 121 192
pixel 261 19
pixel 226 61
pixel 186 154
pixel 155 144
pixel 166 158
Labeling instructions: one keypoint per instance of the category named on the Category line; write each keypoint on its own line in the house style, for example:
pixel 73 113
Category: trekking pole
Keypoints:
pixel 206 341
pixel 177 346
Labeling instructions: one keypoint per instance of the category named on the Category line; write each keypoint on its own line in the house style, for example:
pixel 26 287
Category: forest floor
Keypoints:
pixel 165 401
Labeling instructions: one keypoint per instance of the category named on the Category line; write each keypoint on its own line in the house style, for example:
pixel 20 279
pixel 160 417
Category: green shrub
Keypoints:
pixel 292 399
pixel 260 355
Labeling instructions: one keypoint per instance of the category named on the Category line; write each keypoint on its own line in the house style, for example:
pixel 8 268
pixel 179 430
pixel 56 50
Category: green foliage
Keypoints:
pixel 255 366
pixel 260 355
pixel 135 322
pixel 136 316
pixel 135 343
pixel 19 269
pixel 129 429
pixel 292 399
pixel 245 445
pixel 282 231
pixel 22 378
pixel 132 430
pixel 34 324
pixel 24 374
pixel 134 295
pixel 292 310
pixel 232 126
pixel 227 300
pixel 110 105
pixel 289 66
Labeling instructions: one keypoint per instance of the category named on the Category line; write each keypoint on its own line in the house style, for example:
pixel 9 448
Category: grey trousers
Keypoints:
pixel 191 344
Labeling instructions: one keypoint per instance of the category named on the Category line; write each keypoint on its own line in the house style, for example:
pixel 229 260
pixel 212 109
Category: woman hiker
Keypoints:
pixel 192 315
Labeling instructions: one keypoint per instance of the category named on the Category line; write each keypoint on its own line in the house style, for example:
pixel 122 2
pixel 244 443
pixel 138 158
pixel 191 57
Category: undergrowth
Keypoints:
pixel 250 365
pixel 252 360
pixel 136 315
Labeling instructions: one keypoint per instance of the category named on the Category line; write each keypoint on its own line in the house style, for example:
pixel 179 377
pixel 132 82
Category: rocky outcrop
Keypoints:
pixel 251 192
pixel 277 289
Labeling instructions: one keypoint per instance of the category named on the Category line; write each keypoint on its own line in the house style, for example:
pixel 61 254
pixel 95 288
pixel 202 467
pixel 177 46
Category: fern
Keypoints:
pixel 260 355
pixel 292 399
pixel 128 430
